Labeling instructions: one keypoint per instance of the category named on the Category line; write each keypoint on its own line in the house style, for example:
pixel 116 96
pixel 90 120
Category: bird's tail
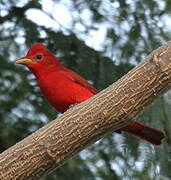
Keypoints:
pixel 152 135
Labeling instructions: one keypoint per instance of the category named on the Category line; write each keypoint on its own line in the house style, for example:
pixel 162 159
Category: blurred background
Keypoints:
pixel 102 41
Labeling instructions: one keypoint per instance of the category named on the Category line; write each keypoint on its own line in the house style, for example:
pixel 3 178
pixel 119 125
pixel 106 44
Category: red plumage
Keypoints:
pixel 63 87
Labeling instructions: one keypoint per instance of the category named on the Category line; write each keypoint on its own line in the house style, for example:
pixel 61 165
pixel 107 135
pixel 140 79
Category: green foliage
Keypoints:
pixel 133 29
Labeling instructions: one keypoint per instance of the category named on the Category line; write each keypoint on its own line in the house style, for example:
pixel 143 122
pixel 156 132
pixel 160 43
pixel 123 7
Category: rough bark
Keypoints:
pixel 82 125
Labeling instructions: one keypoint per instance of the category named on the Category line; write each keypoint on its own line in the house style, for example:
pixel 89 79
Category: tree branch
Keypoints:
pixel 12 13
pixel 85 123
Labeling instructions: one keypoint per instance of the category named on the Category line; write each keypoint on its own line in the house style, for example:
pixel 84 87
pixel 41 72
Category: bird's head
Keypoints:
pixel 37 57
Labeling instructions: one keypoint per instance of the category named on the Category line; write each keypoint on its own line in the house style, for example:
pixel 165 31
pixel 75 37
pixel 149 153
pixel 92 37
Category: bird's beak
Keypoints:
pixel 24 61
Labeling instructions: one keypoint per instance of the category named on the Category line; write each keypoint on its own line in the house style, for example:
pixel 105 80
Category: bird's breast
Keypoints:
pixel 57 93
pixel 62 92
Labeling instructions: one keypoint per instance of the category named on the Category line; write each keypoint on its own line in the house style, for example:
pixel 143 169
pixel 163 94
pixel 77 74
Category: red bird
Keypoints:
pixel 62 88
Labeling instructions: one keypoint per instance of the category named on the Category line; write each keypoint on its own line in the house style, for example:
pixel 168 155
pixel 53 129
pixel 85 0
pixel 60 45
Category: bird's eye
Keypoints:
pixel 39 57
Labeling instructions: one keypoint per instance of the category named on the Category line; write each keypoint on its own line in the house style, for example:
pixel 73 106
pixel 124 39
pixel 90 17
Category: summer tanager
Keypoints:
pixel 63 88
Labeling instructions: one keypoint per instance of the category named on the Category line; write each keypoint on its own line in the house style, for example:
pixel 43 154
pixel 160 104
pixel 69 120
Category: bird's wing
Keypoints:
pixel 76 78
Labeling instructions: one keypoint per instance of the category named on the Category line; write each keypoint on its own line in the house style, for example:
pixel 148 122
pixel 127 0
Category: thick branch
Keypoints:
pixel 87 122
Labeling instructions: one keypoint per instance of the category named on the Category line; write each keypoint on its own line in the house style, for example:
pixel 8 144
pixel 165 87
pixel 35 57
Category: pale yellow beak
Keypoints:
pixel 24 61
